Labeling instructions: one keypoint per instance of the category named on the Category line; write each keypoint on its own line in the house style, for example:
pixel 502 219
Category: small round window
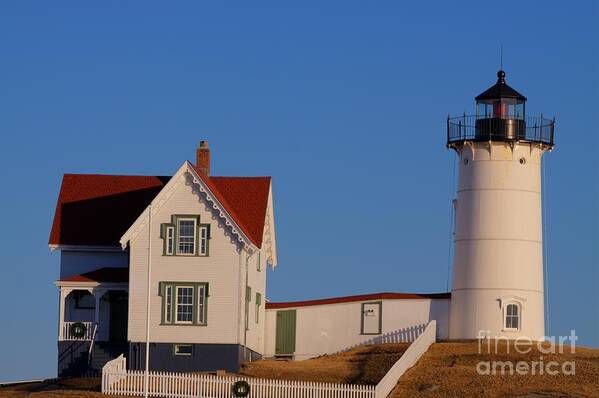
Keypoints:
pixel 466 161
pixel 522 160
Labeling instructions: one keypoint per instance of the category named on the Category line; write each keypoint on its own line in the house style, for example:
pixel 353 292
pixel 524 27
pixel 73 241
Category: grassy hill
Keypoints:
pixel 447 369
pixel 450 370
pixel 362 365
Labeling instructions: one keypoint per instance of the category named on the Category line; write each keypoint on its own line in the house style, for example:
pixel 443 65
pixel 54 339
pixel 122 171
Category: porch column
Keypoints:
pixel 63 293
pixel 98 293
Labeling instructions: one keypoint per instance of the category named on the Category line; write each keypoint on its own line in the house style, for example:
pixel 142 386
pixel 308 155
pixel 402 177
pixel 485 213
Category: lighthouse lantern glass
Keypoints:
pixel 501 108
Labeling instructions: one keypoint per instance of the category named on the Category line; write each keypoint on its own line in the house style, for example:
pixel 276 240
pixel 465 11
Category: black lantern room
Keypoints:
pixel 500 116
pixel 500 111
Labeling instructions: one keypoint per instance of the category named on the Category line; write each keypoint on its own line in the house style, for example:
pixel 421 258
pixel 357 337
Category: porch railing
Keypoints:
pixel 67 334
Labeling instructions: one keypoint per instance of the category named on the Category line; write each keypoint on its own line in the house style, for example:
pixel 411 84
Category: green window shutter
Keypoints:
pixel 258 304
pixel 248 298
pixel 259 262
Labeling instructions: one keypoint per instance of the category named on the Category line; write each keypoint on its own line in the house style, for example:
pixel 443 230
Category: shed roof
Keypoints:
pixel 360 297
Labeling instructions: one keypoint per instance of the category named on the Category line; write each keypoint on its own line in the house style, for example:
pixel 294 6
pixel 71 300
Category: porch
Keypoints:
pixel 94 306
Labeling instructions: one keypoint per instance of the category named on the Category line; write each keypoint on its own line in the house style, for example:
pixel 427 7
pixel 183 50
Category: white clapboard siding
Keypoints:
pixel 221 270
pixel 407 360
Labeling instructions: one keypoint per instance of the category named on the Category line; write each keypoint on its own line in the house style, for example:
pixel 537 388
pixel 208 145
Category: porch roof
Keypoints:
pixel 101 275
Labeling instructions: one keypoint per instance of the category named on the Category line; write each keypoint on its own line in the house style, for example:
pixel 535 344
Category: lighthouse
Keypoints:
pixel 497 282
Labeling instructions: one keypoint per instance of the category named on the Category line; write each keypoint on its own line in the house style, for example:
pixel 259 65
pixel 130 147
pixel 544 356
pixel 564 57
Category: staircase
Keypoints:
pixel 74 360
pixel 105 351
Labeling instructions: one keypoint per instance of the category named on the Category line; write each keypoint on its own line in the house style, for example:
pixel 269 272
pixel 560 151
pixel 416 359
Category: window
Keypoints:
pixel 258 303
pixel 183 349
pixel 168 304
pixel 512 317
pixel 258 265
pixel 248 298
pixel 170 241
pixel 203 240
pixel 186 228
pixel 185 236
pixel 184 303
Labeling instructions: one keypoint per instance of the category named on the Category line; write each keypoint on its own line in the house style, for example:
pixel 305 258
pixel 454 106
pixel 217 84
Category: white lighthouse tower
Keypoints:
pixel 497 286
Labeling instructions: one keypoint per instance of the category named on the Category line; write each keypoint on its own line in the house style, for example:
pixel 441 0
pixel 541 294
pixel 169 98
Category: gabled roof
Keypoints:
pixel 246 200
pixel 360 297
pixel 96 210
pixel 106 275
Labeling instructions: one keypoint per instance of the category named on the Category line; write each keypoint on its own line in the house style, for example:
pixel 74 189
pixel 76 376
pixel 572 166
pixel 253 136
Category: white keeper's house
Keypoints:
pixel 198 246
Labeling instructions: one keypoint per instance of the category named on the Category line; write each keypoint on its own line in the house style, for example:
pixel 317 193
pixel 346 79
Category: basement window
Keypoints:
pixel 183 349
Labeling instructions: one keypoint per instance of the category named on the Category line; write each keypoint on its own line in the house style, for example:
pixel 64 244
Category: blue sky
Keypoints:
pixel 343 103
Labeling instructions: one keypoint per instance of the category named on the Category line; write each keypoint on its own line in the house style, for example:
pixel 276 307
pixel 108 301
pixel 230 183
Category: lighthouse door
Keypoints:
pixel 371 318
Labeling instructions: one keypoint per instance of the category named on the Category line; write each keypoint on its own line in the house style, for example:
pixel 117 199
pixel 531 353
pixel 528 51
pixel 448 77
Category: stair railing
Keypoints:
pixel 91 344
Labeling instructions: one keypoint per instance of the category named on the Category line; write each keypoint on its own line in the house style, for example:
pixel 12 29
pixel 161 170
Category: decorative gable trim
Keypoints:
pixel 222 212
pixel 269 242
pixel 186 172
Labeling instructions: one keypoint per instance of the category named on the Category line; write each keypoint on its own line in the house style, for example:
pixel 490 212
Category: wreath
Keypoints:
pixel 78 329
pixel 241 388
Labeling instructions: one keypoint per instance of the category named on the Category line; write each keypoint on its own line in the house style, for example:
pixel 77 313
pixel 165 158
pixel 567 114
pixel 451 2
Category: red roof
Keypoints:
pixel 96 210
pixel 361 297
pixel 108 274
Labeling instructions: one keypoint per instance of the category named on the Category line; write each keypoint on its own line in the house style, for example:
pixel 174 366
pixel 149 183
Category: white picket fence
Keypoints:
pixel 116 379
pixel 407 360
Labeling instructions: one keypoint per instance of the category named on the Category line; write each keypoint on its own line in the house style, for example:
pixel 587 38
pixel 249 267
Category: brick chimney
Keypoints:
pixel 203 158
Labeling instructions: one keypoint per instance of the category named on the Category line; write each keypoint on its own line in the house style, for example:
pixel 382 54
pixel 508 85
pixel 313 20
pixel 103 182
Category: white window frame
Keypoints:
pixel 175 350
pixel 203 240
pixel 176 303
pixel 170 240
pixel 518 316
pixel 195 236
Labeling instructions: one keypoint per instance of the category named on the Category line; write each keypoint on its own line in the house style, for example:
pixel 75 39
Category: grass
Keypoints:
pixel 60 388
pixel 362 365
pixel 450 370
pixel 447 369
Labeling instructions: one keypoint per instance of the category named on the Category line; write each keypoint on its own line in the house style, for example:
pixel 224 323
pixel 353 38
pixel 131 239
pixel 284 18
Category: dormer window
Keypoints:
pixel 186 228
pixel 185 236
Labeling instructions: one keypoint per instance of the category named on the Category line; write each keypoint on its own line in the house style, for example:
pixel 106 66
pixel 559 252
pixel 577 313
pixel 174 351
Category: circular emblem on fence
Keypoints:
pixel 241 388
pixel 78 330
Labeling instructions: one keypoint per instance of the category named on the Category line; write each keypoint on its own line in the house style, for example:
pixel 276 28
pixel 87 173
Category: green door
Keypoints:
pixel 285 342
